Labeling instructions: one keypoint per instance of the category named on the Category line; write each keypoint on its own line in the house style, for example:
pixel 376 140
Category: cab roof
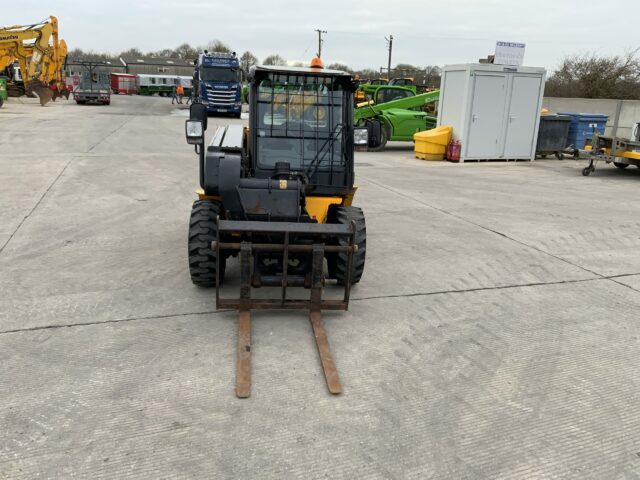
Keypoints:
pixel 320 72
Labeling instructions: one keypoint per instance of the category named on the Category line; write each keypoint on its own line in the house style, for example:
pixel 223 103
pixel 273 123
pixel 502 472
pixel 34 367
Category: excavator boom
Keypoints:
pixel 38 49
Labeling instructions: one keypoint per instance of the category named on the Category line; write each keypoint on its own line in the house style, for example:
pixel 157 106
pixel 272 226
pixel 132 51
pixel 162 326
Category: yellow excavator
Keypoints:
pixel 40 53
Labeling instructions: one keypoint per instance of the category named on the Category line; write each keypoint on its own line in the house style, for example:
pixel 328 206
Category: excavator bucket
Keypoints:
pixel 44 93
pixel 294 244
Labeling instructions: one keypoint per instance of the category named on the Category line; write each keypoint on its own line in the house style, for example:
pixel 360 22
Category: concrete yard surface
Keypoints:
pixel 495 333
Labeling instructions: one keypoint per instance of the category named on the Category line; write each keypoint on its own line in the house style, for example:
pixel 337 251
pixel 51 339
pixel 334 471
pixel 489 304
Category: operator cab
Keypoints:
pixel 303 117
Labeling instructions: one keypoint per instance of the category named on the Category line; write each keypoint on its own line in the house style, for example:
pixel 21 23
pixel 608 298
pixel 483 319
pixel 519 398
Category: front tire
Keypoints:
pixel 338 262
pixel 621 165
pixel 381 142
pixel 202 231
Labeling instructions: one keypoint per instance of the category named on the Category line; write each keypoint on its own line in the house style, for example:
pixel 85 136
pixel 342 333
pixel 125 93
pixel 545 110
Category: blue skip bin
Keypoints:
pixel 582 125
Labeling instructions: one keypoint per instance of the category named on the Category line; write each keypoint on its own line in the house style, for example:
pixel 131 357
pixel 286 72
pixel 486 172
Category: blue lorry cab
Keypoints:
pixel 219 82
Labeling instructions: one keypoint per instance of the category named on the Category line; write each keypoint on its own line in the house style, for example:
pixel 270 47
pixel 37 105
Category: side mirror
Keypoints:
pixel 197 124
pixel 198 111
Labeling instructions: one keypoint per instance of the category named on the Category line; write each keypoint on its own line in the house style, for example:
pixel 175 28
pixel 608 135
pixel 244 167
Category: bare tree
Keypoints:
pixel 185 52
pixel 591 76
pixel 368 74
pixel 339 66
pixel 274 60
pixel 432 76
pixel 405 67
pixel 218 46
pixel 165 52
pixel 247 60
pixel 132 53
pixel 79 54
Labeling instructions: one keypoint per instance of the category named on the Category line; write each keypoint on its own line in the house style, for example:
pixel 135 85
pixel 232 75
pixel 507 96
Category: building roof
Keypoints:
pixel 106 60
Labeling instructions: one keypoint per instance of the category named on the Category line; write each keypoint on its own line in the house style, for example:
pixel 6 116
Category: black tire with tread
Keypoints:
pixel 621 165
pixel 202 231
pixel 383 140
pixel 337 263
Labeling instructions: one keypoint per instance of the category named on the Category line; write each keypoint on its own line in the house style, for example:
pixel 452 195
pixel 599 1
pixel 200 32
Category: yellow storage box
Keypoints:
pixel 432 144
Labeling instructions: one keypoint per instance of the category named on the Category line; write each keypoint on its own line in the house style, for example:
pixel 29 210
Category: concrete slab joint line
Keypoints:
pixel 110 134
pixel 117 320
pixel 446 212
pixel 379 297
pixel 55 180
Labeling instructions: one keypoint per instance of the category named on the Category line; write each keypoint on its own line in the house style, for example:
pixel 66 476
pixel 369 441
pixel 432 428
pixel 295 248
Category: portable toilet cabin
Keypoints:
pixel 494 109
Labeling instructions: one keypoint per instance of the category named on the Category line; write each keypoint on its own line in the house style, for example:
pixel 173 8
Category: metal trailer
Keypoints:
pixel 619 151
pixel 93 84
pixel 123 83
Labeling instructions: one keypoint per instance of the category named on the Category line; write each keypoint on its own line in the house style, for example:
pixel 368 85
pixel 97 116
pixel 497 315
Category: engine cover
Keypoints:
pixel 258 198
pixel 268 199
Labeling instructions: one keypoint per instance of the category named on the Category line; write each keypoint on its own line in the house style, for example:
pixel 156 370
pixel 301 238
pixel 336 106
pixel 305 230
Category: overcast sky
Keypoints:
pixel 425 32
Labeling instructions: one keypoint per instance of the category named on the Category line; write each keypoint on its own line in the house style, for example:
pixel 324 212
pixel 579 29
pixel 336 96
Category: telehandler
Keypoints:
pixel 279 194
pixel 395 113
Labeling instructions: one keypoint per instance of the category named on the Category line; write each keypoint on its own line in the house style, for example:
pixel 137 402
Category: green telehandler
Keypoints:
pixel 394 114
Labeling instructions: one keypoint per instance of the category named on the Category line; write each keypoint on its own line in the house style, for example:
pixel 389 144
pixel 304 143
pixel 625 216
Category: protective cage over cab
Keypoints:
pixel 303 117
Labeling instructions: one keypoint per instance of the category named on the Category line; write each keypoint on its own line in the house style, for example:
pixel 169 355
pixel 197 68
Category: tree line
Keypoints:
pixel 581 76
pixel 594 76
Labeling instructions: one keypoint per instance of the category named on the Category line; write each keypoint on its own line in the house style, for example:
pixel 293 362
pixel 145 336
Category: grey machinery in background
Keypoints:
pixel 94 85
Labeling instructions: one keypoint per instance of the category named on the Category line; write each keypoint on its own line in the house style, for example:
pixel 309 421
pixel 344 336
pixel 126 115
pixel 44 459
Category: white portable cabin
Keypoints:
pixel 494 109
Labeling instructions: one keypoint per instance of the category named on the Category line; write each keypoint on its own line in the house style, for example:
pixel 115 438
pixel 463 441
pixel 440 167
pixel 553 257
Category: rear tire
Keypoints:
pixel 202 231
pixel 338 262
pixel 621 165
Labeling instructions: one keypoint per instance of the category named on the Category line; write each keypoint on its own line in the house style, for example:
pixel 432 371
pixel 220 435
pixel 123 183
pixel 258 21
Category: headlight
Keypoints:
pixel 360 136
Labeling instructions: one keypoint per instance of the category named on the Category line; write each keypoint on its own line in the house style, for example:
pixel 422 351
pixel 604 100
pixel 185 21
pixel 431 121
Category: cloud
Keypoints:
pixel 425 33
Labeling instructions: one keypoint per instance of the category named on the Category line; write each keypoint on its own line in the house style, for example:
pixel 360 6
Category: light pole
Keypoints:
pixel 389 47
pixel 320 32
